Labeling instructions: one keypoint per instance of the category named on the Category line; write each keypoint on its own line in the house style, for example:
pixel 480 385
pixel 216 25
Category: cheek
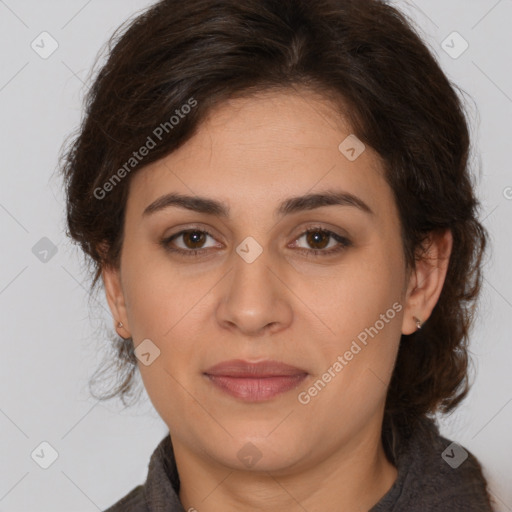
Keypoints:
pixel 352 383
pixel 353 297
pixel 363 313
pixel 156 294
pixel 149 308
pixel 169 307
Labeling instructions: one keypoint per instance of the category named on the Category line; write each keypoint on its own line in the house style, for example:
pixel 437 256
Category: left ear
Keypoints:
pixel 115 297
pixel 427 280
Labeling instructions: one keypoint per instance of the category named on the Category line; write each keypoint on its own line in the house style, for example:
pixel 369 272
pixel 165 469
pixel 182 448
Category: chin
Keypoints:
pixel 270 453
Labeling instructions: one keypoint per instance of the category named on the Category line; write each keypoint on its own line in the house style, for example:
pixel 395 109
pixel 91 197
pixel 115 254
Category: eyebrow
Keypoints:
pixel 286 207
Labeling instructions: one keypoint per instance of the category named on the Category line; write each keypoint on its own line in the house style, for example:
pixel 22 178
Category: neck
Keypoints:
pixel 354 478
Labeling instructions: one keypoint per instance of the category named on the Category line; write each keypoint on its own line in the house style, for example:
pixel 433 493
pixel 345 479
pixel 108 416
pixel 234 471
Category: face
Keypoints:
pixel 318 284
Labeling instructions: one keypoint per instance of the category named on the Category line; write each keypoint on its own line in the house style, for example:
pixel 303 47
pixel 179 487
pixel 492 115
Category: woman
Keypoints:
pixel 276 197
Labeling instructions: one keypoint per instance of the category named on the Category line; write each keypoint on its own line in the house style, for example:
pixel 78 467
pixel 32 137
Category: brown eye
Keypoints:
pixel 194 239
pixel 318 239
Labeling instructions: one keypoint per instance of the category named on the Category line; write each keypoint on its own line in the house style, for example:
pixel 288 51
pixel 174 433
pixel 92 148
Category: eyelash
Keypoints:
pixel 344 243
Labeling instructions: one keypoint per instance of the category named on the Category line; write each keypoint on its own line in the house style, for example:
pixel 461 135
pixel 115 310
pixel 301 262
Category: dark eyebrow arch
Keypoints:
pixel 287 207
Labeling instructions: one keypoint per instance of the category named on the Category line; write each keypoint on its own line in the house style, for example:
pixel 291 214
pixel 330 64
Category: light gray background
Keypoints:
pixel 49 343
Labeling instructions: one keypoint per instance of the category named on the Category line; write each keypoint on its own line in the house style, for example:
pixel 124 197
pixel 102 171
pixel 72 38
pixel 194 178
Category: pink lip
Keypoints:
pixel 255 382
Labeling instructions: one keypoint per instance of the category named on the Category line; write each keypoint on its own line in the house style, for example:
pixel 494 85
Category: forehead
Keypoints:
pixel 255 151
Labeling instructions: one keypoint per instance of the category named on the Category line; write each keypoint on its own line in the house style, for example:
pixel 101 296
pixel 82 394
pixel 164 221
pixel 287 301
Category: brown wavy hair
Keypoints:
pixel 363 54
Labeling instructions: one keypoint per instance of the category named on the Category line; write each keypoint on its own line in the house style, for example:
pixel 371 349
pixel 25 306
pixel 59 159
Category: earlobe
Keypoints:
pixel 427 280
pixel 115 297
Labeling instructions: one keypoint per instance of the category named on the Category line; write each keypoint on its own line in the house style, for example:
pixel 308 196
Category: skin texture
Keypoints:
pixel 303 310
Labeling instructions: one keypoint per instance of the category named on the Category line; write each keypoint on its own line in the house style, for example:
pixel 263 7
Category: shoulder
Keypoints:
pixel 455 477
pixel 436 474
pixel 160 490
pixel 133 502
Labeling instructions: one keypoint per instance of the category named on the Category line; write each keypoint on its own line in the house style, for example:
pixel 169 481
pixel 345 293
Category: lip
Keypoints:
pixel 255 382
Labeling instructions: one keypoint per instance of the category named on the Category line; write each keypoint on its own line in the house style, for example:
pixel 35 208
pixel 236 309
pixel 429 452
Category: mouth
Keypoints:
pixel 255 382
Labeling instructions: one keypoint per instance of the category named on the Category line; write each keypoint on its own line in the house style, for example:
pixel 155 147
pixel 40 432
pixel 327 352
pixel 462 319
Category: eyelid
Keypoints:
pixel 168 239
pixel 193 227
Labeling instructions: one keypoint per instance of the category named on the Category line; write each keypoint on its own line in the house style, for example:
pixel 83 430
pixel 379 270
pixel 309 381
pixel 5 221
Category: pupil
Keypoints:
pixel 196 237
pixel 314 236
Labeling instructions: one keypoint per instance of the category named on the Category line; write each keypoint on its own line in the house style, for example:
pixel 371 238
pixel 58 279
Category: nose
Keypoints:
pixel 255 299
